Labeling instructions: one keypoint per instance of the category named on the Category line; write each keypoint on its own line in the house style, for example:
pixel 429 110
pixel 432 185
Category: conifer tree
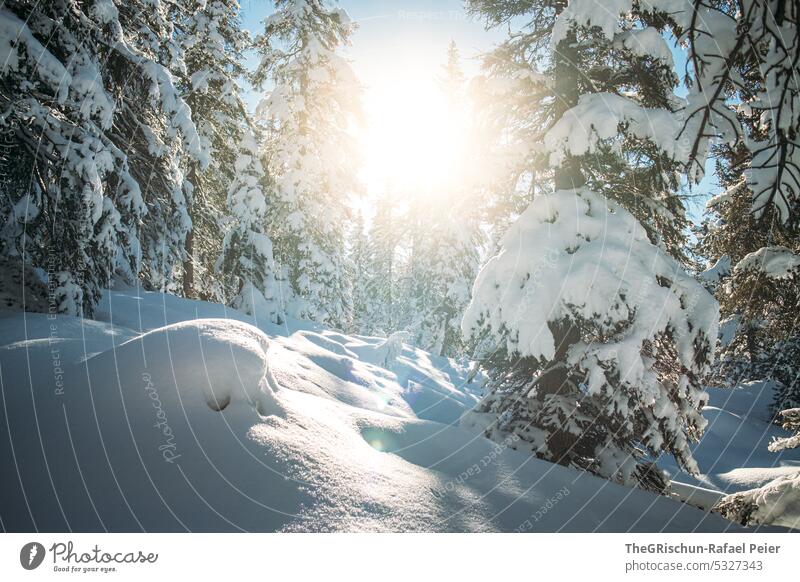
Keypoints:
pixel 595 339
pixel 453 80
pixel 213 43
pixel 744 90
pixel 164 232
pixel 775 502
pixel 310 152
pixel 384 306
pixel 445 235
pixel 246 260
pixel 94 134
pixel 362 275
pixel 743 107
pixel 444 281
pixel 753 269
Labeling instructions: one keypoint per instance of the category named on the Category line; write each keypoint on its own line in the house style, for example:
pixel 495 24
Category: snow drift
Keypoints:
pixel 215 425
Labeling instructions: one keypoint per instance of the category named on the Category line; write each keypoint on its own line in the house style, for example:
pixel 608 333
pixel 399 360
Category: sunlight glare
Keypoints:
pixel 412 138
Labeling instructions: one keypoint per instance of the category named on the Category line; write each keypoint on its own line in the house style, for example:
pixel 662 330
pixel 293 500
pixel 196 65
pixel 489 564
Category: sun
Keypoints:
pixel 413 138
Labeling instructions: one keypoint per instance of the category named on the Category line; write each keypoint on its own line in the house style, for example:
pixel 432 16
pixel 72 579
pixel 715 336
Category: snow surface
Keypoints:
pixel 718 271
pixel 777 503
pixel 733 454
pixel 776 262
pixel 172 415
pixel 599 116
pixel 590 13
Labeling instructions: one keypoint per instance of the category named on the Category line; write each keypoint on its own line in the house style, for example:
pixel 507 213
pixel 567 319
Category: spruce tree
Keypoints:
pixel 444 228
pixel 362 275
pixel 213 44
pixel 311 154
pixel 246 260
pixel 452 79
pixel 170 135
pixel 94 134
pixel 790 420
pixel 743 108
pixel 594 338
pixel 384 306
pixel 776 501
pixel 743 89
pixel 759 337
pixel 444 279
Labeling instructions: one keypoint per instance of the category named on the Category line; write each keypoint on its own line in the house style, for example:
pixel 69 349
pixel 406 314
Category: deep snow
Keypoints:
pixel 733 454
pixel 172 415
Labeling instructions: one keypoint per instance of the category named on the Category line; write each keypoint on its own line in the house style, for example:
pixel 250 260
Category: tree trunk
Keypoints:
pixel 556 378
pixel 567 90
pixel 188 264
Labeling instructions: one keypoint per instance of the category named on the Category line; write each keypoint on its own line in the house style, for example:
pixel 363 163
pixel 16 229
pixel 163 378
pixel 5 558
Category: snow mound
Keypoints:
pixel 386 353
pixel 182 427
pixel 221 360
pixel 142 311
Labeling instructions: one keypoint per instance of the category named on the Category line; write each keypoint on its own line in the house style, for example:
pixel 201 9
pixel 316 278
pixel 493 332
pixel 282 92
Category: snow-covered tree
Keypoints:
pixel 594 338
pixel 418 283
pixel 445 234
pixel 213 43
pixel 443 281
pixel 753 270
pixel 761 298
pixel 626 70
pixel 246 260
pixel 360 258
pixel 171 136
pixel 311 153
pixel 790 420
pixel 743 60
pixel 382 306
pixel 94 132
pixel 445 244
pixel 744 108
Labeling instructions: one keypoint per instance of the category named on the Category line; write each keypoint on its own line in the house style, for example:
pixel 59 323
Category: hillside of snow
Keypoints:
pixel 164 414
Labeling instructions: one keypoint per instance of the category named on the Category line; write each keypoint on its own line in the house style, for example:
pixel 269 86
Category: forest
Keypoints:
pixel 554 277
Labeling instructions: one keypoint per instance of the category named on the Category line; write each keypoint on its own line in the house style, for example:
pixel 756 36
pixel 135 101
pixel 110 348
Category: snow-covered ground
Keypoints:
pixel 169 415
pixel 733 453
